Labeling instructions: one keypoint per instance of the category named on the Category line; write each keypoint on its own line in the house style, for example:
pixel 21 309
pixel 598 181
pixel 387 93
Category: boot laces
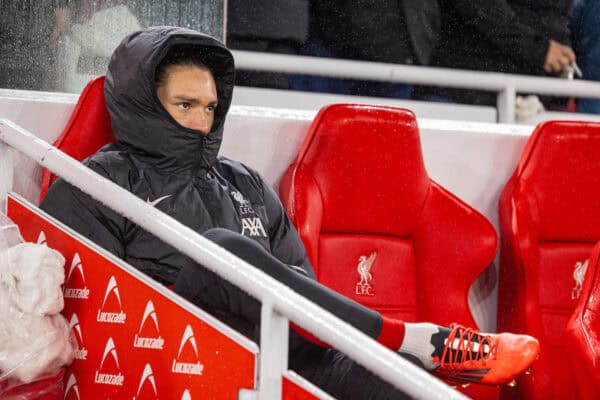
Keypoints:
pixel 466 344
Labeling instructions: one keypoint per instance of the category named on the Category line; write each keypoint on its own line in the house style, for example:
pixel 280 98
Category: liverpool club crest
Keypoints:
pixel 363 286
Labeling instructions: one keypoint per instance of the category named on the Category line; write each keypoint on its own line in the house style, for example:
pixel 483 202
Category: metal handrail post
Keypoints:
pixel 274 329
pixel 506 102
pixel 6 174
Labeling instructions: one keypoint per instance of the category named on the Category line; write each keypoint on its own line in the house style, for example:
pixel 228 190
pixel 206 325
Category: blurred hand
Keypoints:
pixel 63 22
pixel 558 58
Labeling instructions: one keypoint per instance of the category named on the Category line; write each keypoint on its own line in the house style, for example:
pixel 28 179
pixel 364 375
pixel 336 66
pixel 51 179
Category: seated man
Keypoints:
pixel 168 91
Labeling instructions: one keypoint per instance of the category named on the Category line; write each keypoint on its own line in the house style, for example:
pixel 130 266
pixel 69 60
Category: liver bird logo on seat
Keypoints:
pixel 363 286
pixel 578 275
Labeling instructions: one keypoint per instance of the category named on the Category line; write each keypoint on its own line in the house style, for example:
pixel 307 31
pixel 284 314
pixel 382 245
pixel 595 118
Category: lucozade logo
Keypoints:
pixel 114 377
pixel 71 291
pixel 81 352
pixel 187 367
pixel 71 389
pixel 149 342
pixel 42 238
pixel 186 395
pixel 112 291
pixel 147 386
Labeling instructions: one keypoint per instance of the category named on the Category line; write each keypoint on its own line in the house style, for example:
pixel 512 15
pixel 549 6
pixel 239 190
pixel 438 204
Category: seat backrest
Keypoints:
pixel 376 228
pixel 548 219
pixel 87 130
pixel 583 332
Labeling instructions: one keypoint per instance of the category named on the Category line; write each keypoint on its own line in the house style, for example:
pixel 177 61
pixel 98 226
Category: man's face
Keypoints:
pixel 189 94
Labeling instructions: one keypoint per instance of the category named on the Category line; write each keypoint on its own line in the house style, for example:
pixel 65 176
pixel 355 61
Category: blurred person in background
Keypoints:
pixel 85 35
pixel 585 24
pixel 388 31
pixel 273 26
pixel 59 44
pixel 528 37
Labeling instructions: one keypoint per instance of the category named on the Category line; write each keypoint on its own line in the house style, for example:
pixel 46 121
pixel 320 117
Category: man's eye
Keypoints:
pixel 211 108
pixel 183 106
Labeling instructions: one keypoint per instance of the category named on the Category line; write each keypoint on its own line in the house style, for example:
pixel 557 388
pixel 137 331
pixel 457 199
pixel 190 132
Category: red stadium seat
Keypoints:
pixel 87 130
pixel 376 227
pixel 583 333
pixel 549 213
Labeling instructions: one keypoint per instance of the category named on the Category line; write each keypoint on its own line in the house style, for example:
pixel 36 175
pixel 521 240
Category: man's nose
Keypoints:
pixel 201 122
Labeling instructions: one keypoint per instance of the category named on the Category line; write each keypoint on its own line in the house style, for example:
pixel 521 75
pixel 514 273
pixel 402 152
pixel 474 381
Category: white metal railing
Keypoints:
pixel 279 302
pixel 506 85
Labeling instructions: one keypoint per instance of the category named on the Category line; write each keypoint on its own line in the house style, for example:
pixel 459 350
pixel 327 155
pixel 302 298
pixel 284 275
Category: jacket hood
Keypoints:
pixel 140 122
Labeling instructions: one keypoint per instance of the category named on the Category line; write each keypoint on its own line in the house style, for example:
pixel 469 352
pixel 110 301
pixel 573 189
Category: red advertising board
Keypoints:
pixel 136 339
pixel 294 387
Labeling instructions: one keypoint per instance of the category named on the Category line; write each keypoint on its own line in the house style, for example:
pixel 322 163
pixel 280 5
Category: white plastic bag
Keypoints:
pixel 32 275
pixel 35 339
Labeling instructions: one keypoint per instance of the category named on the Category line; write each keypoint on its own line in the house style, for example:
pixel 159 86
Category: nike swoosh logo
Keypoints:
pixel 153 203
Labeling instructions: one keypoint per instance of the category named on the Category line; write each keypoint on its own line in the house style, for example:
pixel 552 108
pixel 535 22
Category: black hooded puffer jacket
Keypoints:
pixel 171 167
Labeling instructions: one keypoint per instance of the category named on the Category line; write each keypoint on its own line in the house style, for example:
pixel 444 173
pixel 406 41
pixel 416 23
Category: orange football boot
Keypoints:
pixel 490 359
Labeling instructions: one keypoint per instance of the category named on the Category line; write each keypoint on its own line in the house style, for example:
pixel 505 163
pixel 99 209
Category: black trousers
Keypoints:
pixel 327 368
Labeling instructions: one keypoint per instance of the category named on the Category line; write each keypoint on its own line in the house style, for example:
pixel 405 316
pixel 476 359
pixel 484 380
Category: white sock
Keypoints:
pixel 417 345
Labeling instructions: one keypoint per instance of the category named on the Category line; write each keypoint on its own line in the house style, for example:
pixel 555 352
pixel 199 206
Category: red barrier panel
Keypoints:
pixel 136 338
pixel 294 387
